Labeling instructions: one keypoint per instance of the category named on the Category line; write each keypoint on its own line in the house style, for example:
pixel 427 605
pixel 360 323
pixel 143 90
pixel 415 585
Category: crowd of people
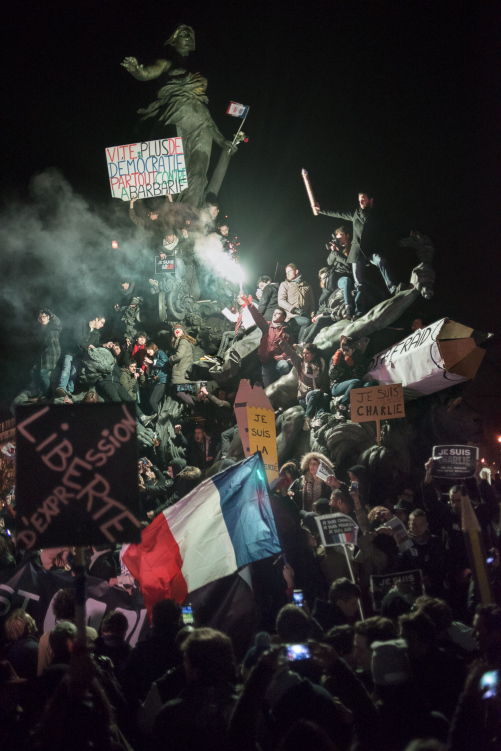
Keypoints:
pixel 329 667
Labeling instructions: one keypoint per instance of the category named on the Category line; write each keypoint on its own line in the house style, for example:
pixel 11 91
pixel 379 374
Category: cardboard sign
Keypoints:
pixel 256 426
pixel 147 169
pixel 263 438
pixel 430 359
pixel 76 475
pixel 165 265
pixel 454 462
pixel 407 582
pixel 337 529
pixel 377 403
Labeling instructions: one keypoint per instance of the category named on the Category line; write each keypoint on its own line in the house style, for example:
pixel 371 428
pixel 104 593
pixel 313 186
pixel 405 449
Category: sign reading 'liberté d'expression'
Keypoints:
pixel 76 475
pixel 377 403
pixel 147 169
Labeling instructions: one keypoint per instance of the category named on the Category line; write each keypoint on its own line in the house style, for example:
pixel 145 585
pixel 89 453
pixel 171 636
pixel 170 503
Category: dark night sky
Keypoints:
pixel 401 96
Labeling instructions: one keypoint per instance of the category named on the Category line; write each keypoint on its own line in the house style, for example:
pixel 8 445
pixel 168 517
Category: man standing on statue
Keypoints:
pixel 369 227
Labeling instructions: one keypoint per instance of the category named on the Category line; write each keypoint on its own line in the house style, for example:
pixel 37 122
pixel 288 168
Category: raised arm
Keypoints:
pixel 261 322
pixel 290 353
pixel 146 72
pixel 336 213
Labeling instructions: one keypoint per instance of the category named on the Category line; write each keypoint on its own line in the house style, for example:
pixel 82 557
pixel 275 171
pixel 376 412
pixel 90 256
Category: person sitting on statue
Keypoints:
pixel 312 380
pixel 340 270
pixel 273 361
pixel 268 301
pixel 172 247
pixel 295 296
pixel 181 361
pixel 156 361
pixel 328 307
pixel 345 373
pixel 228 246
pixel 242 319
pixel 370 225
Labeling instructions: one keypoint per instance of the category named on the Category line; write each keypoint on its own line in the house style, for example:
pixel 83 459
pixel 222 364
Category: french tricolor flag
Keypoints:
pixel 237 110
pixel 222 525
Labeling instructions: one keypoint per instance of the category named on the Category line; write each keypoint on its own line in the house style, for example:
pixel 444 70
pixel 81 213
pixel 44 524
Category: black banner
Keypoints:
pixel 76 475
pixel 33 590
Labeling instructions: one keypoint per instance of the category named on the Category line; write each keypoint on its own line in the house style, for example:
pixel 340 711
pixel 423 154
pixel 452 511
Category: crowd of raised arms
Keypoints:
pixel 327 667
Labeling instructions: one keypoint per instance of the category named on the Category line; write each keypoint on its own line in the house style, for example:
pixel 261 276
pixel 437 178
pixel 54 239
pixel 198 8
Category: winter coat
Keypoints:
pixel 49 348
pixel 82 336
pixel 130 383
pixel 310 376
pixel 96 363
pixel 269 301
pixel 344 368
pixel 338 265
pixel 369 226
pixel 181 360
pixel 296 294
pixel 158 369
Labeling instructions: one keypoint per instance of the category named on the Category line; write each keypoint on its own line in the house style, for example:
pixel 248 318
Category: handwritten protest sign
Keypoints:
pixel 429 359
pixel 263 438
pixel 454 462
pixel 407 582
pixel 377 403
pixel 165 265
pixel 147 169
pixel 337 529
pixel 256 426
pixel 76 475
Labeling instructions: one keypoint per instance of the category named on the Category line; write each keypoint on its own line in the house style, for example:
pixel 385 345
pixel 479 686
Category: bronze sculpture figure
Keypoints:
pixel 182 102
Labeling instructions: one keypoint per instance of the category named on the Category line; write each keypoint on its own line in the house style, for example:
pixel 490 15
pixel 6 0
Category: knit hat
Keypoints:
pixel 390 662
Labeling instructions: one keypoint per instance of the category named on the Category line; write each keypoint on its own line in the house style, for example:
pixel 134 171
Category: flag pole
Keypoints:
pixel 241 125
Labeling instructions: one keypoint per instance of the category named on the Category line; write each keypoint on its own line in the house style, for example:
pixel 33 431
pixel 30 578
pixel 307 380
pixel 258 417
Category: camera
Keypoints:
pixel 191 388
pixel 187 615
pixel 298 598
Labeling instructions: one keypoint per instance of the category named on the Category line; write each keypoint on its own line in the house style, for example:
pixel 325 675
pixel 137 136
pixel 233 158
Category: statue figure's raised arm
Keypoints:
pixel 182 41
pixel 146 72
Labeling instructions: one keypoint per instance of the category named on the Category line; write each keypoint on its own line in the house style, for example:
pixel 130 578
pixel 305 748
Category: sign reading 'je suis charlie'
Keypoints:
pixel 147 169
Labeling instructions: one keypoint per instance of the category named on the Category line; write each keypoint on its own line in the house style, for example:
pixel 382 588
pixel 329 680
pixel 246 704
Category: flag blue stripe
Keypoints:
pixel 247 511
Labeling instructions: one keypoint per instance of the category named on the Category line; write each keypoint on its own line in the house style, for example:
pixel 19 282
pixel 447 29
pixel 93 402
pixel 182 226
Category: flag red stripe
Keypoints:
pixel 156 563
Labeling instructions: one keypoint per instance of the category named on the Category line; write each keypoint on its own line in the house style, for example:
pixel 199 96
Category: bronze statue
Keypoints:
pixel 182 102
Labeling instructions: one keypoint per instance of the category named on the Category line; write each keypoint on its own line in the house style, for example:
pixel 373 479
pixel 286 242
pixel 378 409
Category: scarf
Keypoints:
pixel 312 491
pixel 170 246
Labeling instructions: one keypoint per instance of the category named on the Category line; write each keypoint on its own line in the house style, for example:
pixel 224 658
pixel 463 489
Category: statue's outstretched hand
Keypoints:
pixel 130 64
pixel 230 146
pixel 423 279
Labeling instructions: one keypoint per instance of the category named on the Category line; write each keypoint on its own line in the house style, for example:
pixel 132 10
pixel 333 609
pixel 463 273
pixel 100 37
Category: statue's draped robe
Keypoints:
pixel 178 104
